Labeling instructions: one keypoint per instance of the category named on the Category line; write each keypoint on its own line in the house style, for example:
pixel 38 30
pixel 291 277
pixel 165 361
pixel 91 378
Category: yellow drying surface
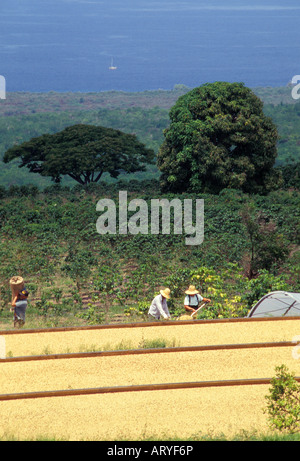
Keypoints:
pixel 143 369
pixel 134 415
pixel 137 415
pixel 184 335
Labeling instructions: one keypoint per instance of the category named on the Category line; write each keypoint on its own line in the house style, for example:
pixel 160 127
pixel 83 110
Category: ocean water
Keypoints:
pixel 69 45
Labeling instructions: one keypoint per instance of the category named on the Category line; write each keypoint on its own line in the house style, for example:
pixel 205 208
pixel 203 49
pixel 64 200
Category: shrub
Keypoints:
pixel 263 284
pixel 284 401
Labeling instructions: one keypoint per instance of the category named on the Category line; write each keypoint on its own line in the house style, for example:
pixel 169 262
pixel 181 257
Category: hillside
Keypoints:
pixel 75 274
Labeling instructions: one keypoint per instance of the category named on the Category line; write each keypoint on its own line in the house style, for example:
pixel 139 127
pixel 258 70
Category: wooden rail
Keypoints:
pixel 162 350
pixel 165 323
pixel 136 388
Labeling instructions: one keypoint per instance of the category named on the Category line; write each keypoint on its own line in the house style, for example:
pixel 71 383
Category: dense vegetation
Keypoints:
pixel 50 238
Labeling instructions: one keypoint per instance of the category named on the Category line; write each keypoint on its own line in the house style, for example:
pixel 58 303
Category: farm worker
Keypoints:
pixel 19 306
pixel 193 299
pixel 159 307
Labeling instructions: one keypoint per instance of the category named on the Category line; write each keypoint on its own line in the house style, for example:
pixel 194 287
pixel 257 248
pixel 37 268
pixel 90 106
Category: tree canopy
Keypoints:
pixel 219 138
pixel 84 152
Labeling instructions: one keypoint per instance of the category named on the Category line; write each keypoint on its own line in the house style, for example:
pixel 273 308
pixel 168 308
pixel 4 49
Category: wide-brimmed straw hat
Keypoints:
pixel 192 290
pixel 166 293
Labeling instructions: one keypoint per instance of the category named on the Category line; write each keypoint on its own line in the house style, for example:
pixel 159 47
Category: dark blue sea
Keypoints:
pixel 69 45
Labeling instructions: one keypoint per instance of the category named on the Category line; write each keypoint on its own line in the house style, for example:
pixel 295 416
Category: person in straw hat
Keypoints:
pixel 193 299
pixel 159 306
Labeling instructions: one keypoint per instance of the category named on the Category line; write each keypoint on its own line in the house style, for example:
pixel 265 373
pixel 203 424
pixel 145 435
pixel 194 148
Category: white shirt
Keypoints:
pixel 159 307
pixel 192 300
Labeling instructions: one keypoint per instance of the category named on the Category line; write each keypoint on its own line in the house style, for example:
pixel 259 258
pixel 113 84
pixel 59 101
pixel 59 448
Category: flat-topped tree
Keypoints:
pixel 83 152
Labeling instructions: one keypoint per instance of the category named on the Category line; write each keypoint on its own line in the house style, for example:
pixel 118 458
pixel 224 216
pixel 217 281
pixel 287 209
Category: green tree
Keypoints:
pixel 268 248
pixel 83 152
pixel 219 138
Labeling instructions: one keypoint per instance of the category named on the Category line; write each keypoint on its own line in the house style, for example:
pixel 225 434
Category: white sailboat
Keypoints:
pixel 112 67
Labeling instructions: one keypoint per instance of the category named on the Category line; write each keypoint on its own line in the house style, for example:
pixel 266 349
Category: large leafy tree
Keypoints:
pixel 219 138
pixel 84 152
